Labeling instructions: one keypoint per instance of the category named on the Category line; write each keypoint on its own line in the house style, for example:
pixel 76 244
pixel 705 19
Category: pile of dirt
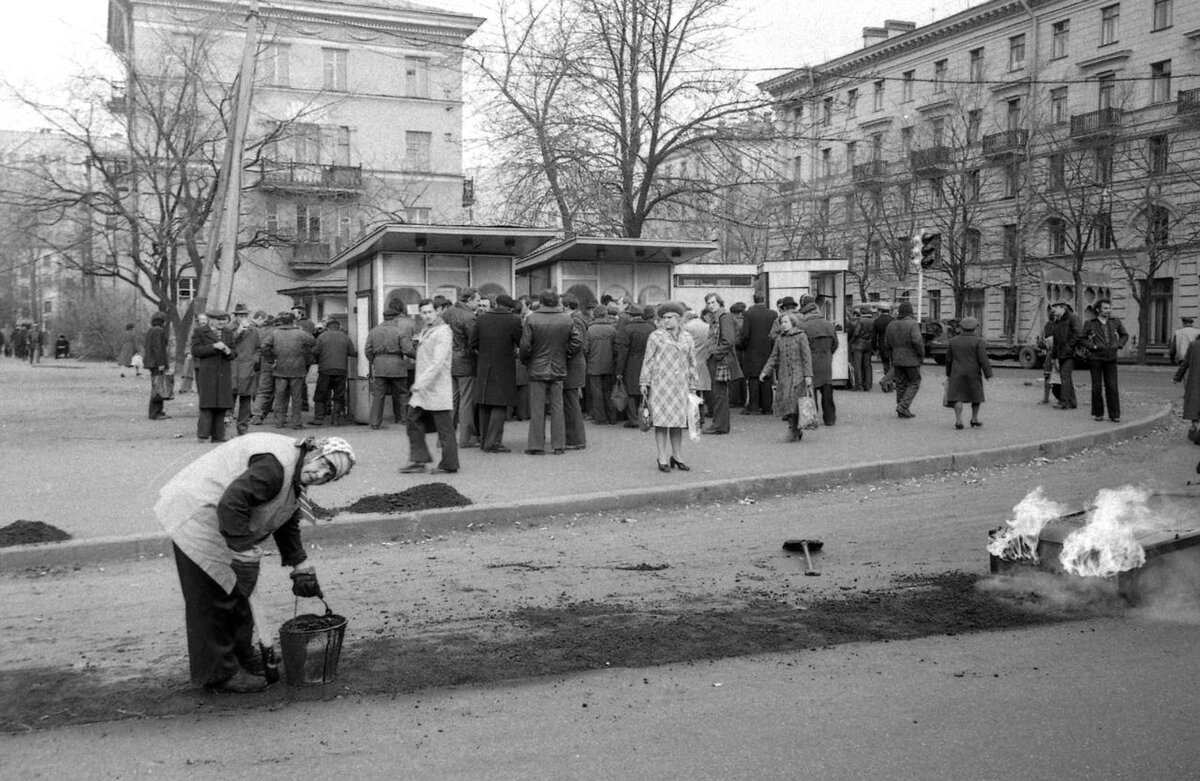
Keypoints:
pixel 427 496
pixel 310 622
pixel 30 533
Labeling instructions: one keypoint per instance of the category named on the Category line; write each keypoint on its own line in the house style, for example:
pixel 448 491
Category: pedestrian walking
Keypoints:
pixel 1189 369
pixel 155 349
pixel 217 512
pixel 495 341
pixel 431 406
pixel 214 355
pixel 967 366
pixel 791 363
pixel 1104 336
pixel 1183 336
pixel 668 375
pixel 332 353
pixel 907 349
pixel 883 318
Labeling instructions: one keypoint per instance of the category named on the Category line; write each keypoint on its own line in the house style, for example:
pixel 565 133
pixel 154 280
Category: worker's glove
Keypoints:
pixel 304 582
pixel 246 565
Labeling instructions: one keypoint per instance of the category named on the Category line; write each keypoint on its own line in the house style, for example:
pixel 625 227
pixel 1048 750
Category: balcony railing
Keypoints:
pixel 316 178
pixel 1187 101
pixel 1006 142
pixel 309 255
pixel 1105 122
pixel 934 158
pixel 869 173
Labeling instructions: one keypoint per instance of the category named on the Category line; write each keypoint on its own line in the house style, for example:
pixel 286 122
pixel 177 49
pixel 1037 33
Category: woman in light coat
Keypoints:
pixel 792 364
pixel 667 378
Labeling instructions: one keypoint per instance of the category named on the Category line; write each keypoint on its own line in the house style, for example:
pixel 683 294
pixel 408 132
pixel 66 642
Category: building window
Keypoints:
pixel 852 102
pixel 906 135
pixel 827 162
pixel 1058 105
pixel 418 215
pixel 877 146
pixel 1012 179
pixel 1110 15
pixel 1013 114
pixel 276 63
pixel 974 246
pixel 1157 154
pixel 306 142
pixel 308 223
pixel 418 147
pixel 972 185
pixel 271 223
pixel 1106 86
pixel 342 151
pixel 937 130
pixel 937 190
pixel 1009 243
pixel 1103 163
pixel 976 65
pixel 185 288
pixel 939 76
pixel 1010 311
pixel 797 168
pixel 906 201
pixel 1058 171
pixel 1016 52
pixel 823 211
pixel 827 111
pixel 1060 33
pixel 935 304
pixel 1158 226
pixel 1160 81
pixel 850 208
pixel 1163 14
pixel 1102 230
pixel 879 85
pixel 851 155
pixel 974 122
pixel 416 77
pixel 1056 234
pixel 906 86
pixel 974 299
pixel 1161 295
pixel 335 62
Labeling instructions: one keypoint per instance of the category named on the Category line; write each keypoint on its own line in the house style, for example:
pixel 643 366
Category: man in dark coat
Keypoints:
pixel 548 341
pixel 723 366
pixel 305 324
pixel 214 356
pixel 264 398
pixel 332 352
pixel 461 318
pixel 290 348
pixel 1067 333
pixel 862 342
pixel 248 350
pixel 576 377
pixel 155 350
pixel 907 347
pixel 631 350
pixel 392 354
pixel 601 362
pixel 756 344
pixel 1104 336
pixel 883 318
pixel 494 341
pixel 823 343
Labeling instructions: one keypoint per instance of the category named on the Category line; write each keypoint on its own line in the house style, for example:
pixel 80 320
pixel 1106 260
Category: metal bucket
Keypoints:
pixel 311 653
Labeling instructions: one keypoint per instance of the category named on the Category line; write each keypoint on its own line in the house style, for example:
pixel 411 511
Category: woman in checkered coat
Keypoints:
pixel 668 376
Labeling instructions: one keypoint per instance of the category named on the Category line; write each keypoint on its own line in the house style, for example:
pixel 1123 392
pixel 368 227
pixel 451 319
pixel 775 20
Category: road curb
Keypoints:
pixel 351 528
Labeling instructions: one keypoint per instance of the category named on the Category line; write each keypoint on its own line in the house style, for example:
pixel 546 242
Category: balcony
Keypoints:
pixel 1007 143
pixel 869 174
pixel 931 161
pixel 319 179
pixel 308 255
pixel 1098 124
pixel 1187 104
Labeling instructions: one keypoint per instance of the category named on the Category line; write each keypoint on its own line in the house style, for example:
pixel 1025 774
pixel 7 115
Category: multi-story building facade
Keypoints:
pixel 356 121
pixel 1054 145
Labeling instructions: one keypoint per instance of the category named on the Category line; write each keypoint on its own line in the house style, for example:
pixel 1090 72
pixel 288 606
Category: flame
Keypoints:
pixel 1018 540
pixel 1106 544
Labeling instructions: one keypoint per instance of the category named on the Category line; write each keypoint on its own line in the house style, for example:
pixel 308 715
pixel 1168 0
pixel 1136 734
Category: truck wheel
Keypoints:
pixel 1027 356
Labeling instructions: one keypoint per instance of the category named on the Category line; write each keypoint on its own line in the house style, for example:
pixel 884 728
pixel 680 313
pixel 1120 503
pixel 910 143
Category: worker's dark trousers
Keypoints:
pixel 219 625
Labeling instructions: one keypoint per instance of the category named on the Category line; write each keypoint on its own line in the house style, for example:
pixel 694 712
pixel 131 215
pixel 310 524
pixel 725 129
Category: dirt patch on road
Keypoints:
pixel 427 496
pixel 553 640
pixel 30 533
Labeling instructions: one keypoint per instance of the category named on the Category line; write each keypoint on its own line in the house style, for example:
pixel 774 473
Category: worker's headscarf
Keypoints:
pixel 335 450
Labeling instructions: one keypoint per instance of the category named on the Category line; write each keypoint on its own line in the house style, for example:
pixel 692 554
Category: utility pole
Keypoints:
pixel 226 228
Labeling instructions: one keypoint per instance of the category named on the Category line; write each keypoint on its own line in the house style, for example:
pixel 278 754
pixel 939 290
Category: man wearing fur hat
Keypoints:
pixel 246 363
pixel 217 511
pixel 213 353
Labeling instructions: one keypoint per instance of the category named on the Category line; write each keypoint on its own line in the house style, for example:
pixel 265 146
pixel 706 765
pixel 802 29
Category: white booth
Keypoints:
pixel 824 278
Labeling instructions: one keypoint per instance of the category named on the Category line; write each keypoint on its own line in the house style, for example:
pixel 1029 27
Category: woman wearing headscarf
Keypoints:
pixel 792 364
pixel 966 365
pixel 668 376
pixel 216 511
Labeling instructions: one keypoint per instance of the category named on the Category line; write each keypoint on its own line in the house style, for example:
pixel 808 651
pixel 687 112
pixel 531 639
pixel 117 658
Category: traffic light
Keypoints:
pixel 931 249
pixel 917 244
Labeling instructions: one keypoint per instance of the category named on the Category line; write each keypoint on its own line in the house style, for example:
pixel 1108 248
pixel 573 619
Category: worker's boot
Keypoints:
pixel 318 415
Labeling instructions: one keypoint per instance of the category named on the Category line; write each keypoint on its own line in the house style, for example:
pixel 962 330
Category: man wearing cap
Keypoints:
pixel 1183 336
pixel 155 350
pixel 390 350
pixel 213 356
pixel 823 343
pixel 290 348
pixel 1067 335
pixel 217 511
pixel 907 347
pixel 494 341
pixel 332 352
pixel 247 355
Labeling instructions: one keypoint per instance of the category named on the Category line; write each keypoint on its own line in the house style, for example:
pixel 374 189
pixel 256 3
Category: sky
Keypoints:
pixel 44 42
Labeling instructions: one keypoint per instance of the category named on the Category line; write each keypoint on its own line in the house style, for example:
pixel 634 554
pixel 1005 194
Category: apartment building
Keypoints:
pixel 1054 145
pixel 356 121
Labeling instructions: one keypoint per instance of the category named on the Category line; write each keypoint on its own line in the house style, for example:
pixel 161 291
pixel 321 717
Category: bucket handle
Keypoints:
pixel 296 607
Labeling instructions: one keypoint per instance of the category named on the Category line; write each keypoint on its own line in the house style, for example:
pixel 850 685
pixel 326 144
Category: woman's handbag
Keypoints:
pixel 164 386
pixel 644 421
pixel 806 413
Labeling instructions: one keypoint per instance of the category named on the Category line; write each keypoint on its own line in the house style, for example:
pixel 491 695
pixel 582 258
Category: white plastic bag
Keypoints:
pixel 693 415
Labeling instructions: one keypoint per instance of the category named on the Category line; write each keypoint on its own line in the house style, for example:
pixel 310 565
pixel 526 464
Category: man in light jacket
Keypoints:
pixel 431 405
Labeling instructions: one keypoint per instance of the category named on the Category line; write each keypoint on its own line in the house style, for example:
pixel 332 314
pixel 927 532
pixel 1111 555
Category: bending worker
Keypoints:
pixel 217 510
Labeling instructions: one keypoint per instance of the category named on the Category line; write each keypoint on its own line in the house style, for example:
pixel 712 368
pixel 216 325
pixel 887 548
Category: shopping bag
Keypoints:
pixel 806 413
pixel 946 394
pixel 164 386
pixel 619 397
pixel 693 418
pixel 644 421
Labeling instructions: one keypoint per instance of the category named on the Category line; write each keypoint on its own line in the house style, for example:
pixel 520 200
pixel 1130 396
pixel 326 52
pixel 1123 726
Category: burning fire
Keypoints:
pixel 1018 540
pixel 1106 545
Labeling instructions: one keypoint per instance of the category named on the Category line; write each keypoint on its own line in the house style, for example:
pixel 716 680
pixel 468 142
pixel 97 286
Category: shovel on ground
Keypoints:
pixel 808 547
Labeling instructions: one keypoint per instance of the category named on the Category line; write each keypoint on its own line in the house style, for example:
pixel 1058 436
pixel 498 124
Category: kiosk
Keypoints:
pixel 824 278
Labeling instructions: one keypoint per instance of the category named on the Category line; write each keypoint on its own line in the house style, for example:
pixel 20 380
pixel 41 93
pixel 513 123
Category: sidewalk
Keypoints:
pixel 89 462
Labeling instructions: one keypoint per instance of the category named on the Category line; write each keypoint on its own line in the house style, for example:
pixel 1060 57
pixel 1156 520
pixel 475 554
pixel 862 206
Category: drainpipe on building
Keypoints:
pixel 1030 104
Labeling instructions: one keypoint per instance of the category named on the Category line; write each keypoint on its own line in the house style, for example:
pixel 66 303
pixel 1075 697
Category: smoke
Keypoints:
pixel 1106 544
pixel 1018 540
